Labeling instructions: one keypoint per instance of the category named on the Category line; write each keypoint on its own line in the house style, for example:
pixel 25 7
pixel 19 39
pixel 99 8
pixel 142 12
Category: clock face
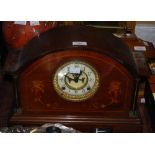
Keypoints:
pixel 76 81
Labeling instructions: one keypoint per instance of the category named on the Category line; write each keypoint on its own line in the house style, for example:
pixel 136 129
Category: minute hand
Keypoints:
pixel 69 78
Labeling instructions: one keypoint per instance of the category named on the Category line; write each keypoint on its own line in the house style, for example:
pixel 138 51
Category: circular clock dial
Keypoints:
pixel 76 81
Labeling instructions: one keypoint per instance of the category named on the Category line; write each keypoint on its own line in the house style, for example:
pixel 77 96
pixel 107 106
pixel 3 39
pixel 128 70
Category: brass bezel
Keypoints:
pixel 76 98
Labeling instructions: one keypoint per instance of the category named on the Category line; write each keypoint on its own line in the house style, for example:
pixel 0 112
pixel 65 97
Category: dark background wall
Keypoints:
pixel 3 49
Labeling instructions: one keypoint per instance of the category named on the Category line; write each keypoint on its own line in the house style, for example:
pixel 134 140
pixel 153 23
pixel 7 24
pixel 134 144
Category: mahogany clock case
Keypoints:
pixel 32 69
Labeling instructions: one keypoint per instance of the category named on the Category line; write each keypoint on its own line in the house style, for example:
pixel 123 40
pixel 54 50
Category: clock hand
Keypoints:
pixel 69 78
pixel 76 76
pixel 82 80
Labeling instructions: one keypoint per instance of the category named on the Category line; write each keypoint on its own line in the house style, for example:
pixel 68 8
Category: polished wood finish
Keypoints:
pixel 97 40
pixel 140 57
pixel 147 109
pixel 84 123
pixel 113 98
pixel 114 104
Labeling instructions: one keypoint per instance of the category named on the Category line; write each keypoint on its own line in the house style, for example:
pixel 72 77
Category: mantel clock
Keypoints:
pixel 80 76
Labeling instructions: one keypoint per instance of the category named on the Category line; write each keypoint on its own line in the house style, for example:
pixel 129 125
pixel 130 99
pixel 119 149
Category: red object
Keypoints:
pixel 17 35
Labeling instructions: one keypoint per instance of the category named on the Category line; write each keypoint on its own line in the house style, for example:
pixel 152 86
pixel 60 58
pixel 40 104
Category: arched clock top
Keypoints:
pixel 80 76
pixel 71 37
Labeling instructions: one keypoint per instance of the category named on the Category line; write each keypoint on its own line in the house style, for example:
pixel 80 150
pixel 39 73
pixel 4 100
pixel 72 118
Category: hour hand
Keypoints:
pixel 69 78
